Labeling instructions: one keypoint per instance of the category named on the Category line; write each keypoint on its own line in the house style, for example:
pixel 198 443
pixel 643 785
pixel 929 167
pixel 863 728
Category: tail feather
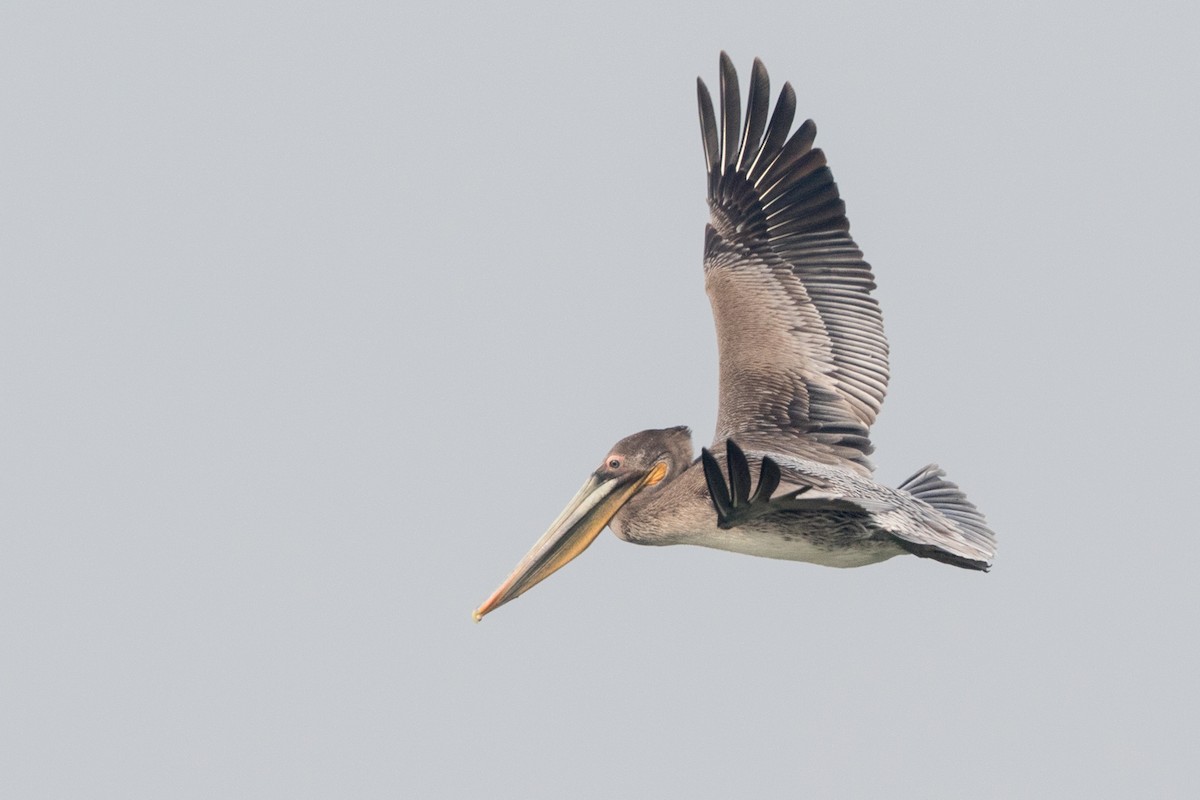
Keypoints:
pixel 931 486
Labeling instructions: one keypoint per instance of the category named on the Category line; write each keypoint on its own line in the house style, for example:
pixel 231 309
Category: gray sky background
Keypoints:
pixel 313 317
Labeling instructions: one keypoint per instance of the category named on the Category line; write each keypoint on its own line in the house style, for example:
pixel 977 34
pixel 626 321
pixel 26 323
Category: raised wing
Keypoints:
pixel 803 356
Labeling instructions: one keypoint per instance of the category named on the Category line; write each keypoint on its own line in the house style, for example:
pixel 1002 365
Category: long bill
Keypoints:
pixel 576 527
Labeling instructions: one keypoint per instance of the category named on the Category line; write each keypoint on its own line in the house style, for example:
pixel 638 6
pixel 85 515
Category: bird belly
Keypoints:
pixel 827 538
pixel 798 546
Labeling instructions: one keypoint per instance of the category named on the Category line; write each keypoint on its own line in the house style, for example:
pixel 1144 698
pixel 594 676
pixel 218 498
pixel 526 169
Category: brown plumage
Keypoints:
pixel 803 374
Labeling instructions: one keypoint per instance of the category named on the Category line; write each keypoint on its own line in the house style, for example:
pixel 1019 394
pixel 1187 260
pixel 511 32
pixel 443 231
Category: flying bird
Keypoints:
pixel 803 373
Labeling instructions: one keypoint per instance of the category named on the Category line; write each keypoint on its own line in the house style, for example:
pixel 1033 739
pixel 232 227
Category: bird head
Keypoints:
pixel 634 467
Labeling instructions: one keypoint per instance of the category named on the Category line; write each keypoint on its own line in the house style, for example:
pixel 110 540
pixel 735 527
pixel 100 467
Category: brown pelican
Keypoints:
pixel 804 368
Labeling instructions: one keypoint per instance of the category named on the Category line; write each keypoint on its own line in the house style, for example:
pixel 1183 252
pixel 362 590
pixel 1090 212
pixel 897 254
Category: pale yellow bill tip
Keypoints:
pixel 476 615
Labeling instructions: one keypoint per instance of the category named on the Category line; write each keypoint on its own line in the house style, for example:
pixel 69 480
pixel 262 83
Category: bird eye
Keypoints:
pixel 614 463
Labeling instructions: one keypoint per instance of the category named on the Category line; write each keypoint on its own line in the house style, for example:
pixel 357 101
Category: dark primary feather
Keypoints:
pixel 801 340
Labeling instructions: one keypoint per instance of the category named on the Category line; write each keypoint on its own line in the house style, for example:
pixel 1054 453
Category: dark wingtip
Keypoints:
pixel 768 480
pixel 757 106
pixel 708 128
pixel 739 473
pixel 730 113
pixel 717 489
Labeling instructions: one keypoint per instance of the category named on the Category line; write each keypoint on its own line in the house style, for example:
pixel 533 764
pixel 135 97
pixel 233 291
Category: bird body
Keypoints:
pixel 843 519
pixel 803 373
pixel 683 514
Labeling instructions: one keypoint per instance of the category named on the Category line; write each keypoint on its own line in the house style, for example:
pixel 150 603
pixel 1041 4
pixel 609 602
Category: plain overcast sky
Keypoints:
pixel 313 317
